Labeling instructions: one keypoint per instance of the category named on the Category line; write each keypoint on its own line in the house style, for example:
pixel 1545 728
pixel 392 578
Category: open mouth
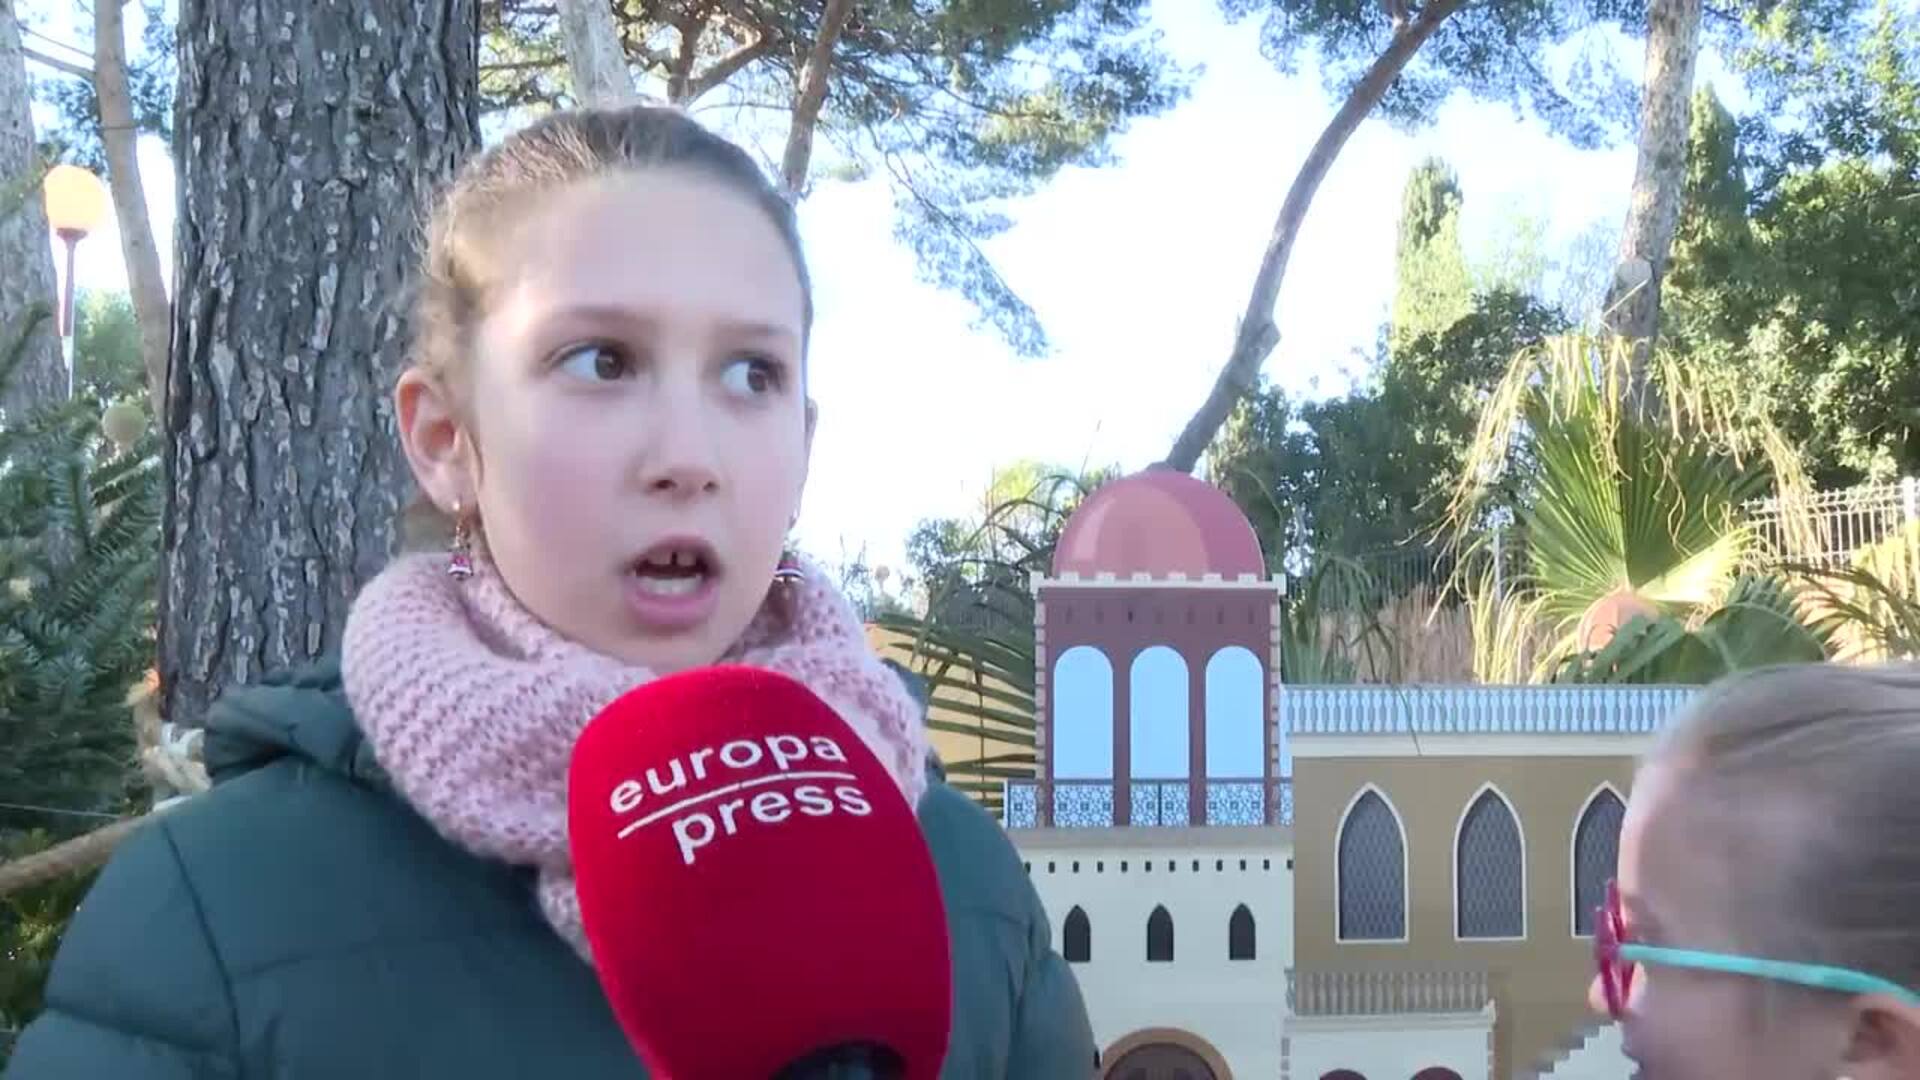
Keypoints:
pixel 674 568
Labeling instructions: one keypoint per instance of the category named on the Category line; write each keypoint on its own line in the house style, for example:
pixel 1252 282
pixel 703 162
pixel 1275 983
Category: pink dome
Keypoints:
pixel 1159 522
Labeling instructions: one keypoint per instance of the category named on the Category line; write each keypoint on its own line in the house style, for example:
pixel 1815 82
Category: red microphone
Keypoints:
pixel 756 892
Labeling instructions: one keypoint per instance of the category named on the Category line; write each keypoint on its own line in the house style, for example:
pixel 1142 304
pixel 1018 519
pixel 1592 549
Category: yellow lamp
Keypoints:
pixel 76 205
pixel 76 201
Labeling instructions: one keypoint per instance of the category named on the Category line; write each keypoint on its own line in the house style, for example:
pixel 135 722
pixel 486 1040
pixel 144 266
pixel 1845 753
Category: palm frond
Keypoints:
pixel 1761 623
pixel 1878 619
pixel 1508 628
pixel 1618 506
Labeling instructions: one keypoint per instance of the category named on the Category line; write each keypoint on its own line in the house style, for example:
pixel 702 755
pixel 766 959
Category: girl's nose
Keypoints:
pixel 680 460
pixel 680 456
pixel 683 477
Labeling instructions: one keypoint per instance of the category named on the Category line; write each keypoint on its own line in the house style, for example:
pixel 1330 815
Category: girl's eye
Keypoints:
pixel 751 376
pixel 605 363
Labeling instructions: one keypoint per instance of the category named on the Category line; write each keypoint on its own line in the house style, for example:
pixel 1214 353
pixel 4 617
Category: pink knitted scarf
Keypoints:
pixel 472 705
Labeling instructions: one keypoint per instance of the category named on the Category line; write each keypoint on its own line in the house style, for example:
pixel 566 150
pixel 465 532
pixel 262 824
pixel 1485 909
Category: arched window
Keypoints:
pixel 1159 742
pixel 1082 694
pixel 1160 936
pixel 1489 871
pixel 1236 735
pixel 1370 864
pixel 1596 851
pixel 1076 939
pixel 1240 944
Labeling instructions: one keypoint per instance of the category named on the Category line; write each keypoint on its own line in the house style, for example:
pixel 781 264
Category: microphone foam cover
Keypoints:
pixel 753 885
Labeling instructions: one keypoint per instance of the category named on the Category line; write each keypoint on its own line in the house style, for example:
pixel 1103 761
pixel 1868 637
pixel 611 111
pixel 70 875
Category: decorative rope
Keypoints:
pixel 169 756
pixel 57 811
pixel 76 856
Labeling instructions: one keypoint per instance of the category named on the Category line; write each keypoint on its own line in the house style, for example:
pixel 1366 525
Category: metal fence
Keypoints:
pixel 1385 993
pixel 1392 573
pixel 1463 710
pixel 1845 521
pixel 1842 522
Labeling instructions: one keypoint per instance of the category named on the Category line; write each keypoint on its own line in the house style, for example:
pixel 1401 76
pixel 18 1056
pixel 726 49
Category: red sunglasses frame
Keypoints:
pixel 1609 933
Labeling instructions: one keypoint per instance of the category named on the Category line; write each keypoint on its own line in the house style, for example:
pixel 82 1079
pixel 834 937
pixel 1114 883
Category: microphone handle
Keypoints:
pixel 847 1061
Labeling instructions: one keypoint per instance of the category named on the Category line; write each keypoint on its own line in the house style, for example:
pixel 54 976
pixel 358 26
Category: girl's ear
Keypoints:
pixel 436 445
pixel 1885 1041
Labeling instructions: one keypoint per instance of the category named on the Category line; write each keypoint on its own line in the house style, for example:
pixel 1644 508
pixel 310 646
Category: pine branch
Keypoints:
pixel 81 632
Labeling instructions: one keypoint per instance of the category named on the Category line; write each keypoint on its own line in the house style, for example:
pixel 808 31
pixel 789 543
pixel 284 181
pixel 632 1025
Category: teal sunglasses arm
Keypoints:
pixel 1817 976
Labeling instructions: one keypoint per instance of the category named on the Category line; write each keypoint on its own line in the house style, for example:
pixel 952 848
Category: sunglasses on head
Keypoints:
pixel 1617 957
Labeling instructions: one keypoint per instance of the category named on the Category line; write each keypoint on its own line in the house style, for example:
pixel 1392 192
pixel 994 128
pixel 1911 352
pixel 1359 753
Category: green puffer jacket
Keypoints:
pixel 300 922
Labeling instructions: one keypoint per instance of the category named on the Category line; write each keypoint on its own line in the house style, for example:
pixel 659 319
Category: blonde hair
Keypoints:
pixel 1812 774
pixel 458 272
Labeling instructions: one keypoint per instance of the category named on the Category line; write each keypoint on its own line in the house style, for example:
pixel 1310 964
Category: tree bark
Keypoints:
pixel 811 97
pixel 311 135
pixel 27 283
pixel 680 71
pixel 144 276
pixel 594 54
pixel 1659 183
pixel 62 66
pixel 726 68
pixel 1257 334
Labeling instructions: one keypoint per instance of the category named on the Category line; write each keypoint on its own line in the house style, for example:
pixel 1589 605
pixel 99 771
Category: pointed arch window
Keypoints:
pixel 1240 934
pixel 1160 936
pixel 1489 871
pixel 1371 865
pixel 1076 939
pixel 1596 852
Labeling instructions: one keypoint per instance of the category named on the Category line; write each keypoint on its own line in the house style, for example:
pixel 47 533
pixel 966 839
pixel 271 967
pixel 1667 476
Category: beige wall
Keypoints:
pixel 1236 1008
pixel 1539 983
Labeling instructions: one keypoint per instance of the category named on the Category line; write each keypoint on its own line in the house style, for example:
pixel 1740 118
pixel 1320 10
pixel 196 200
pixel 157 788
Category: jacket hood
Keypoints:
pixel 300 713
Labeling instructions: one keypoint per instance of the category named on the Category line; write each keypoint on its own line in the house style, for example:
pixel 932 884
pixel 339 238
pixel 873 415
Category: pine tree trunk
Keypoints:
pixel 1257 335
pixel 311 135
pixel 147 282
pixel 1659 183
pixel 595 57
pixel 27 282
pixel 809 96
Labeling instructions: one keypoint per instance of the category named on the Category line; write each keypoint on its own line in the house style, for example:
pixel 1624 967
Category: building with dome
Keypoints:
pixel 1157 643
pixel 1253 879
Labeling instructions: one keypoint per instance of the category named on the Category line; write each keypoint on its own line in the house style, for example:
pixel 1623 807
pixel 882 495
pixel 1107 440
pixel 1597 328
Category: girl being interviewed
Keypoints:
pixel 607 405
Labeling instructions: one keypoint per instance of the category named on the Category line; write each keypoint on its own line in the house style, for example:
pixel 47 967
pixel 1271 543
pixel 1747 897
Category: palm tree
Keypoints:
pixel 974 646
pixel 1763 620
pixel 1873 614
pixel 980 693
pixel 1627 521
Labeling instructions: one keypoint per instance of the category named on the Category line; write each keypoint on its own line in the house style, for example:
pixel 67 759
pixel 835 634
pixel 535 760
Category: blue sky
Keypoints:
pixel 1138 271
